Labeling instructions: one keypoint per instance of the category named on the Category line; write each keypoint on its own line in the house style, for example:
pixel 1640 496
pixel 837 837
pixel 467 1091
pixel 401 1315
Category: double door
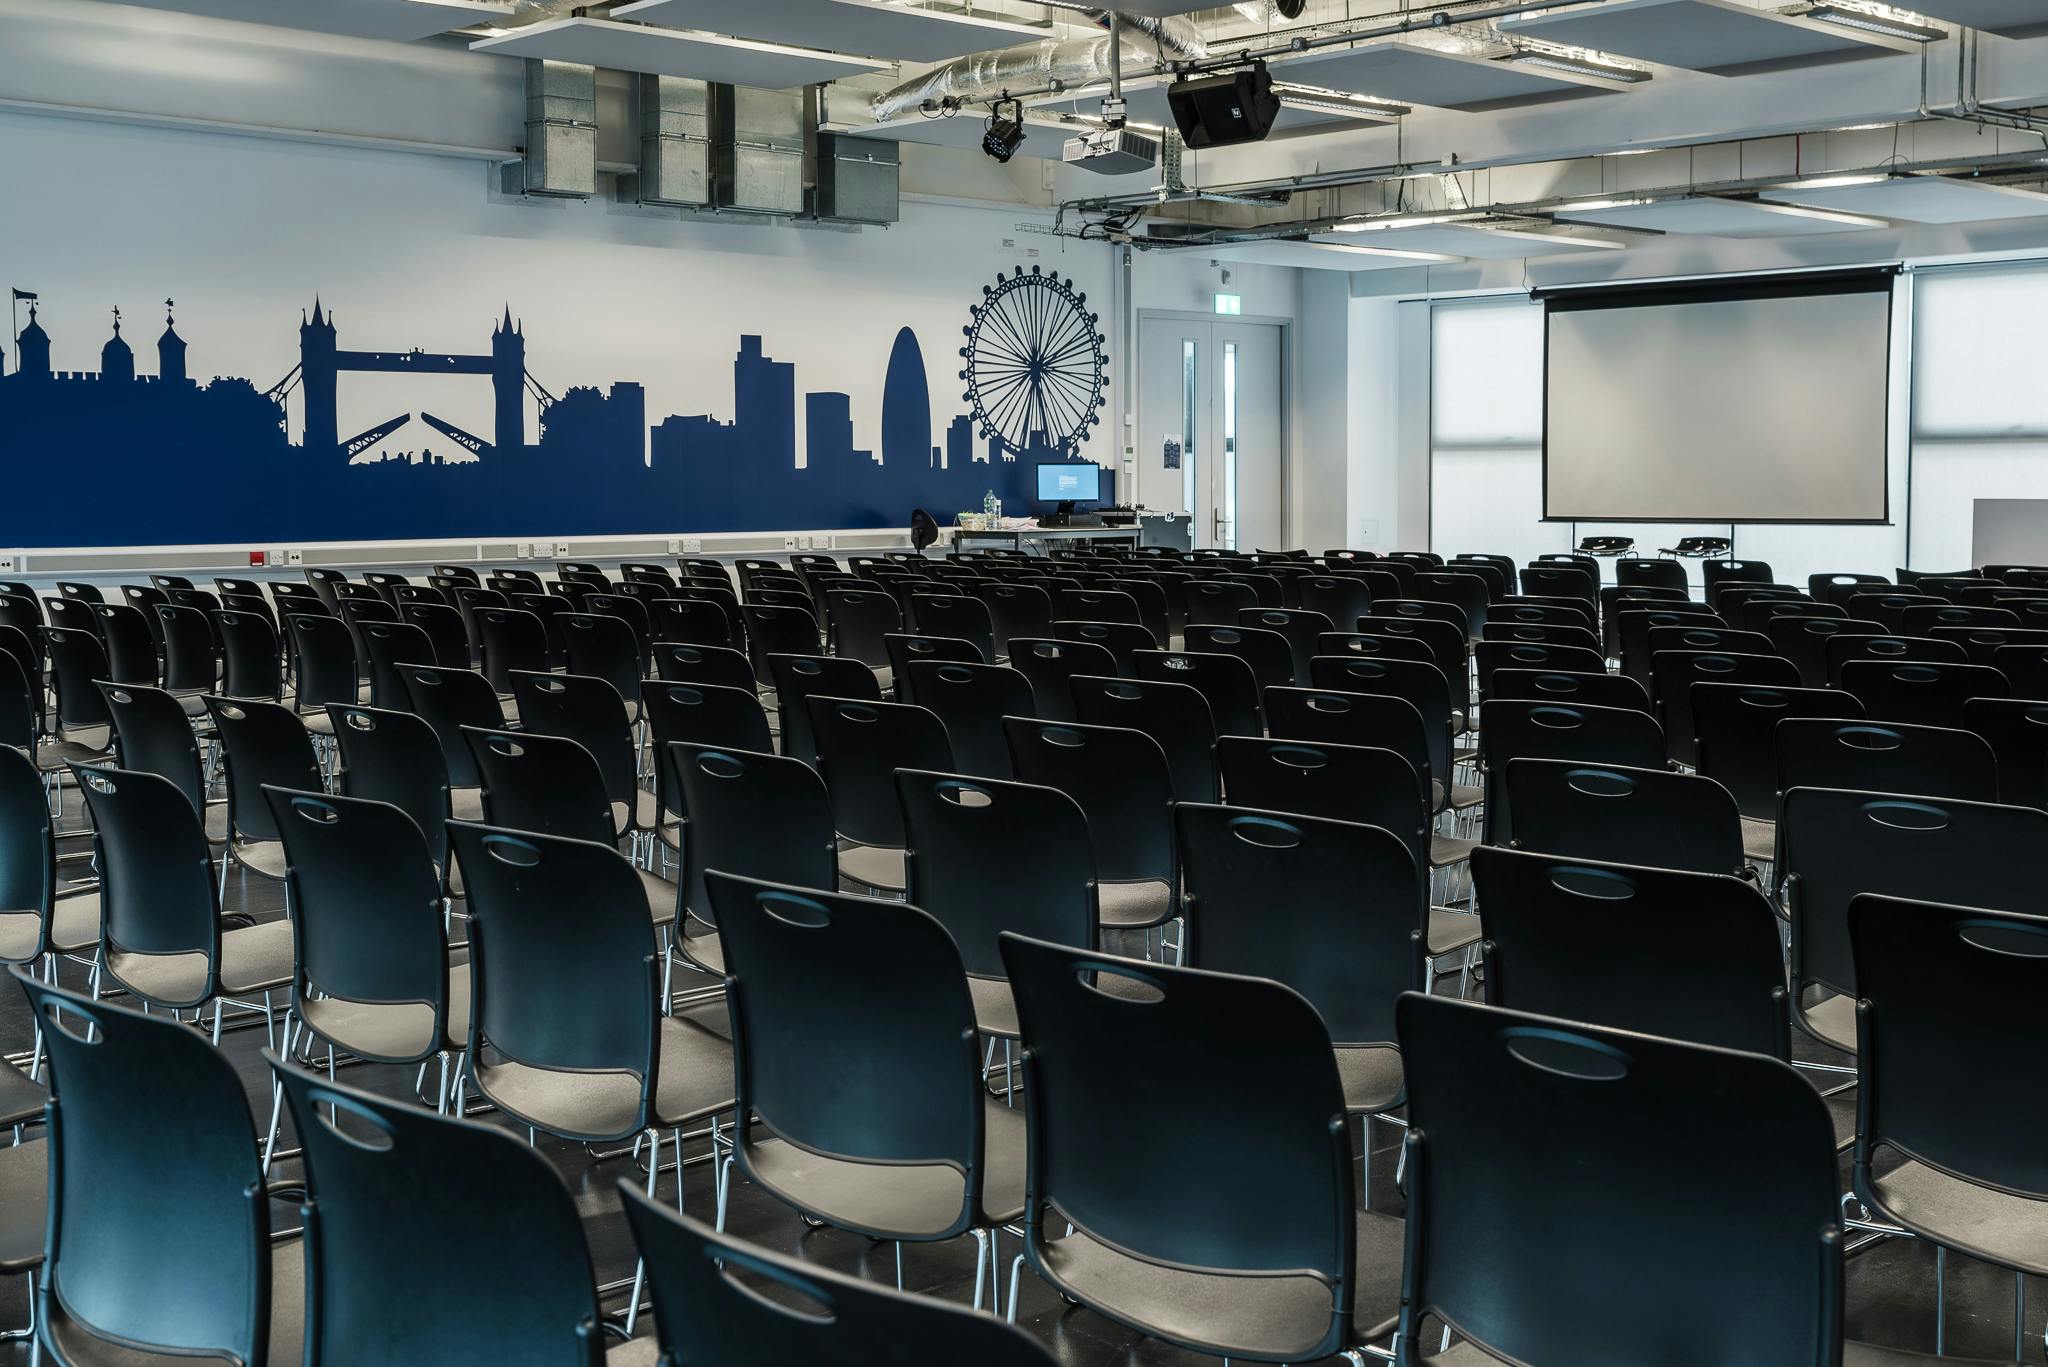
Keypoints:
pixel 1210 433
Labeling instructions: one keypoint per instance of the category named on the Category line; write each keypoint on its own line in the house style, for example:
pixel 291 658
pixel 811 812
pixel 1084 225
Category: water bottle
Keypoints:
pixel 989 506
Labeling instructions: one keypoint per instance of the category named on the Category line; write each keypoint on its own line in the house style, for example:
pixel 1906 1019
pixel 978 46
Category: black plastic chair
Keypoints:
pixel 1920 693
pixel 1301 630
pixel 153 735
pixel 152 1148
pixel 1384 720
pixel 703 1309
pixel 1943 988
pixel 1268 652
pixel 2016 729
pixel 1446 643
pixel 394 757
pixel 1546 730
pixel 1123 640
pixel 861 744
pixel 1331 909
pixel 1683 954
pixel 970 701
pixel 1837 587
pixel 1675 673
pixel 389 647
pixel 567 1032
pixel 798 678
pixel 263 744
pixel 1016 610
pixel 858 622
pixel 1123 784
pixel 251 666
pixel 1051 664
pixel 1567 686
pixel 1837 845
pixel 451 701
pixel 599 645
pixel 778 631
pixel 692 621
pixel 38 916
pixel 511 639
pixel 1421 685
pixel 1844 650
pixel 1884 757
pixel 1175 715
pixel 328 670
pixel 1155 612
pixel 1217 602
pixel 907 1145
pixel 590 712
pixel 1606 813
pixel 1226 683
pixel 445 628
pixel 1341 598
pixel 1582 1117
pixel 1635 571
pixel 1804 641
pixel 130 645
pixel 1281 1269
pixel 955 617
pixel 957 829
pixel 1736 726
pixel 191 663
pixel 679 662
pixel 904 650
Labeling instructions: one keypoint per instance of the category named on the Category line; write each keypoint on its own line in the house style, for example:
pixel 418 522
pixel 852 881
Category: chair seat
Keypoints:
pixel 1759 839
pixel 392 1032
pixel 80 1347
pixel 1466 795
pixel 1832 1021
pixel 661 895
pixel 1134 906
pixel 1373 1077
pixel 700 945
pixel 995 1007
pixel 21 1097
pixel 260 856
pixel 874 866
pixel 1278 1317
pixel 215 822
pixel 897 1200
pixel 252 959
pixel 81 745
pixel 1446 850
pixel 1989 1225
pixel 24 1196
pixel 645 814
pixel 1450 931
pixel 74 926
pixel 640 1352
pixel 466 804
pixel 695 1081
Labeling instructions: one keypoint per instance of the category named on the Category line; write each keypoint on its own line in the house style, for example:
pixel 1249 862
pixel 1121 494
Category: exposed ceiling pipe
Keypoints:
pixel 1069 64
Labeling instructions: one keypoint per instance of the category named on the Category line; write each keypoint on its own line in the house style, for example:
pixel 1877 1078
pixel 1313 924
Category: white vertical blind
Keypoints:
pixel 1486 432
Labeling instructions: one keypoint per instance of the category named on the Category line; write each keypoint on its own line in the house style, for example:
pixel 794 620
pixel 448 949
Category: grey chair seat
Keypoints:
pixel 1450 931
pixel 392 1032
pixel 190 701
pixel 21 1097
pixel 1990 1225
pixel 74 926
pixel 907 1200
pixel 700 945
pixel 695 1082
pixel 873 866
pixel 214 820
pixel 252 959
pixel 259 856
pixel 24 1196
pixel 1446 850
pixel 1759 839
pixel 645 816
pixel 1832 1021
pixel 1373 1077
pixel 1277 1317
pixel 1466 795
pixel 80 1347
pixel 995 1007
pixel 1465 1353
pixel 83 745
pixel 661 895
pixel 1133 906
pixel 466 804
pixel 640 1352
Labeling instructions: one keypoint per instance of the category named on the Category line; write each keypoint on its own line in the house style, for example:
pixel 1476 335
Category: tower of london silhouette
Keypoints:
pixel 114 457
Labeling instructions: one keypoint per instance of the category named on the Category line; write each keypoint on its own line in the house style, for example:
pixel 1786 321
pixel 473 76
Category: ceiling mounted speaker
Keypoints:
pixel 1218 110
pixel 1290 9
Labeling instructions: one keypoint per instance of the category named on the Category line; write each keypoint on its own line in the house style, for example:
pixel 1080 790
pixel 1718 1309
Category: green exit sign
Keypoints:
pixel 1229 303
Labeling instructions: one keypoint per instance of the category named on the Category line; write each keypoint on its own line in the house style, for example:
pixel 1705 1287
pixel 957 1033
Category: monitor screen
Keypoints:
pixel 1070 482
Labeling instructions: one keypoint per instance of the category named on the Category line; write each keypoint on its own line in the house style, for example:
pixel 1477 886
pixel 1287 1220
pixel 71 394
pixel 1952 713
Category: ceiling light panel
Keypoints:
pixel 671 52
pixel 1720 37
pixel 393 20
pixel 1414 74
pixel 2013 18
pixel 1918 199
pixel 1483 244
pixel 1707 217
pixel 872 28
pixel 1324 256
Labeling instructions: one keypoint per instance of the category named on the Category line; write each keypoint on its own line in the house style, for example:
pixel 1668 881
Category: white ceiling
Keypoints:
pixel 1322 256
pixel 1721 218
pixel 1148 104
pixel 1725 37
pixel 401 21
pixel 873 28
pixel 670 52
pixel 1993 16
pixel 1920 199
pixel 1422 75
pixel 1481 244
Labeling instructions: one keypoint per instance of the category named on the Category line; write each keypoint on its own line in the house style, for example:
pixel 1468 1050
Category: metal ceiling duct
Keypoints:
pixel 1075 63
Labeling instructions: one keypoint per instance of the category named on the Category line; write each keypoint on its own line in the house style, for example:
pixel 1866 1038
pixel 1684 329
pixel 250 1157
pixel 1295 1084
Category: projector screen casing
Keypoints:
pixel 1758 401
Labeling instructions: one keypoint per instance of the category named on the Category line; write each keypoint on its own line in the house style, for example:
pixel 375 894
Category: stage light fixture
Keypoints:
pixel 1004 135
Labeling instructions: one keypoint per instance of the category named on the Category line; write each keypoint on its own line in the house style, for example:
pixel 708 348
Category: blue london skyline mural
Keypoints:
pixel 114 456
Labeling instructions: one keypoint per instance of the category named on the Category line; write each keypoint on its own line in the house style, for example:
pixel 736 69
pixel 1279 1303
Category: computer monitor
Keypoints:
pixel 1070 482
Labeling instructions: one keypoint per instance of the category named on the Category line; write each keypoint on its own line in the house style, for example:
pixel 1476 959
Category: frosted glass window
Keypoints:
pixel 1489 501
pixel 1487 374
pixel 1949 477
pixel 1980 353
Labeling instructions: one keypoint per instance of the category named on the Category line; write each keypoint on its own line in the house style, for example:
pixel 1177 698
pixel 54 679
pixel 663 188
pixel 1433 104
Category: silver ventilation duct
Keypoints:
pixel 1075 63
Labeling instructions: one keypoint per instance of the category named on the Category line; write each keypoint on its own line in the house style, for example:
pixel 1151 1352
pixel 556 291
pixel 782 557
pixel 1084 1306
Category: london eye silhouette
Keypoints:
pixel 1034 363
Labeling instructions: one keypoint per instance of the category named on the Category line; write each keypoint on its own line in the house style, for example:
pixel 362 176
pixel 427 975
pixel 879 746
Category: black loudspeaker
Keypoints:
pixel 1290 9
pixel 1216 110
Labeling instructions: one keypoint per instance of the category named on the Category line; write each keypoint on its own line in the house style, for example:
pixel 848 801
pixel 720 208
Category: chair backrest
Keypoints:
pixel 904 649
pixel 1843 650
pixel 131 646
pixel 861 744
pixel 1663 574
pixel 392 1195
pixel 970 700
pixel 1342 598
pixel 1016 610
pixel 512 639
pixel 1226 683
pixel 1836 845
pixel 778 631
pixel 1419 682
pixel 1938 984
pixel 1837 587
pixel 1051 664
pixel 1583 1117
pixel 2016 729
pixel 588 711
pixel 679 662
pixel 1716 573
pixel 1692 956
pixel 1736 726
pixel 1120 779
pixel 1217 602
pixel 264 745
pixel 1570 686
pixel 956 616
pixel 394 757
pixel 447 629
pixel 1884 757
pixel 753 816
pixel 1445 641
pixel 1924 693
pixel 699 620
pixel 1363 785
pixel 1243 1062
pixel 1175 715
pixel 858 620
pixel 1269 653
pixel 153 735
pixel 873 993
pixel 1300 628
pixel 77 662
pixel 1652 817
pixel 189 661
pixel 151 1148
pixel 327 661
pixel 365 908
pixel 1674 673
pixel 549 785
pixel 574 993
pixel 249 656
pixel 1331 717
pixel 799 678
pixel 451 701
pixel 600 645
pixel 390 646
pixel 28 858
pixel 1804 641
pixel 1542 633
pixel 704 1312
pixel 1123 640
pixel 1547 730
pixel 1333 910
pixel 706 714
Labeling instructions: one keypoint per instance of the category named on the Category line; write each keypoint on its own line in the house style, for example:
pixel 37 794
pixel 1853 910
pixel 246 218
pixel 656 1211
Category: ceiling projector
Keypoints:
pixel 1112 152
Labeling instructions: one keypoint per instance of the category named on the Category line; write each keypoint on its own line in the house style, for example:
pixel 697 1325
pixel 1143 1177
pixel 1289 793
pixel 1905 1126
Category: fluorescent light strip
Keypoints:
pixel 1573 66
pixel 1848 16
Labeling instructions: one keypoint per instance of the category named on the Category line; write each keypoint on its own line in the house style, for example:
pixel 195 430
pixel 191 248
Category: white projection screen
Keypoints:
pixel 1762 400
